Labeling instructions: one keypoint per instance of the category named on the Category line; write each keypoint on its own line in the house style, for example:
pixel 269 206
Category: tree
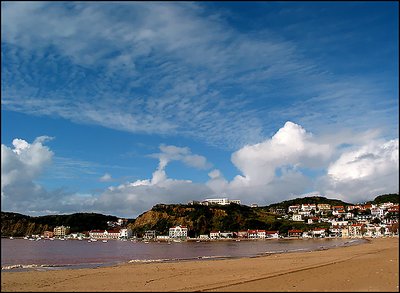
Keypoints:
pixel 375 221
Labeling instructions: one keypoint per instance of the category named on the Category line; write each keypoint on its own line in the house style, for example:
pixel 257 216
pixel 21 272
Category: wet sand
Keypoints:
pixel 373 266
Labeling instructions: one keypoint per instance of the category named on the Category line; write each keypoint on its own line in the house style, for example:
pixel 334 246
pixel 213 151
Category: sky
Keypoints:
pixel 113 107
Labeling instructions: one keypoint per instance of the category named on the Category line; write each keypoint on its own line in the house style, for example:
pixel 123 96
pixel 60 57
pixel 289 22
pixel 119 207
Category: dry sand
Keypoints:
pixel 373 266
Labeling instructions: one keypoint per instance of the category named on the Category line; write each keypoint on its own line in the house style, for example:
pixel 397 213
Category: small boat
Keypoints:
pixel 105 241
pixel 11 238
pixel 93 240
pixel 52 239
pixel 26 237
pixel 197 241
pixel 89 241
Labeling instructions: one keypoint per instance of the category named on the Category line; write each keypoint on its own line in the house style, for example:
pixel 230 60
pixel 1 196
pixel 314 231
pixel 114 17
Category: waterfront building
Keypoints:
pixel 104 234
pixel 149 234
pixel 61 231
pixel 178 232
pixel 125 233
pixel 48 234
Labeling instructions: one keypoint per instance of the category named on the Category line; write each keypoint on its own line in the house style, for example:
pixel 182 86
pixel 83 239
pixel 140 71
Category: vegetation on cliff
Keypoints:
pixel 201 219
pixel 14 224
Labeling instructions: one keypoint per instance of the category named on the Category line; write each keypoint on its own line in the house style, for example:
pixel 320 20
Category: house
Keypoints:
pixel 295 233
pixel 215 234
pixel 297 218
pixel 220 201
pixel 272 234
pixel 61 231
pixel 226 234
pixel 345 232
pixel 355 230
pixel 125 233
pixel 312 220
pixel 48 234
pixel 293 208
pixel 324 207
pixel 261 234
pixel 308 207
pixel 242 234
pixel 178 232
pixel 252 234
pixel 149 234
pixel 336 208
pixel 318 233
pixel 104 234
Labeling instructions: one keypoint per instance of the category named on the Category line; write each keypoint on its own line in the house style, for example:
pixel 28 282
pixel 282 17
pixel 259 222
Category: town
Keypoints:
pixel 351 221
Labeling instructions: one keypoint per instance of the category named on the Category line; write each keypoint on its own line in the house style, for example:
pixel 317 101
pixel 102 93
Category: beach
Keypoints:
pixel 373 266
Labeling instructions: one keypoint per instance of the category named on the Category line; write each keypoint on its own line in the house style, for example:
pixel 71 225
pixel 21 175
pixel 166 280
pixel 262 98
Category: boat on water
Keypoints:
pixel 93 240
pixel 26 237
pixel 105 241
pixel 177 240
pixel 11 238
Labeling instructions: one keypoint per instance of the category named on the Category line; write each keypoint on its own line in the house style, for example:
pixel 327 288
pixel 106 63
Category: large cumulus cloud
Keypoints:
pixel 292 163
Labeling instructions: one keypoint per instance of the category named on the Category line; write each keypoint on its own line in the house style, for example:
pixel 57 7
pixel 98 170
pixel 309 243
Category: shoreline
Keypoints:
pixel 371 266
pixel 74 266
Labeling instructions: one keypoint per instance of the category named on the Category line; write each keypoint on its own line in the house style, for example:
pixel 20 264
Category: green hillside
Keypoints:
pixel 308 200
pixel 14 224
pixel 392 197
pixel 203 219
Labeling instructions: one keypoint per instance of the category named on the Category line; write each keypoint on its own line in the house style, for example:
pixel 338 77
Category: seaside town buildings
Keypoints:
pixel 352 221
pixel 61 231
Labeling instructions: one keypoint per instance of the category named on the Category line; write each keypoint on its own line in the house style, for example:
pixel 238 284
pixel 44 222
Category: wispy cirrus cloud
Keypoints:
pixel 170 69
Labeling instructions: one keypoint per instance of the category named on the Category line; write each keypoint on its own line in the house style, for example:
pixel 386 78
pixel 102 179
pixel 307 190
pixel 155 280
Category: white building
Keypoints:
pixel 125 233
pixel 294 208
pixel 178 232
pixel 104 234
pixel 221 201
pixel 272 234
pixel 297 218
pixel 308 207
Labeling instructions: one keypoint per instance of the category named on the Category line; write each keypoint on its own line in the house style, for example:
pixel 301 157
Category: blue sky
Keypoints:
pixel 113 107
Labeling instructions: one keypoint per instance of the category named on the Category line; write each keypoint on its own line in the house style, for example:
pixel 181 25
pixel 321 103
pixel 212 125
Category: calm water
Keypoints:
pixel 74 253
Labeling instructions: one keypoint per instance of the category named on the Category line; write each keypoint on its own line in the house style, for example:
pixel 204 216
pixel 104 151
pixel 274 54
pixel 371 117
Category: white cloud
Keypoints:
pixel 364 172
pixel 105 178
pixel 23 163
pixel 173 153
pixel 290 146
pixel 375 159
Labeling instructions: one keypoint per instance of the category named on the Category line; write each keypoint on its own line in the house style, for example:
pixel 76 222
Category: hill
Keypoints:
pixel 392 197
pixel 202 219
pixel 14 224
pixel 308 200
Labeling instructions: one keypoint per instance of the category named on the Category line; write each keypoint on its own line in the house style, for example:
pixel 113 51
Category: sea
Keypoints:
pixel 22 254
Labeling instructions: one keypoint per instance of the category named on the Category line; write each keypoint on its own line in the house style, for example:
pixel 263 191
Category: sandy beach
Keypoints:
pixel 373 266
